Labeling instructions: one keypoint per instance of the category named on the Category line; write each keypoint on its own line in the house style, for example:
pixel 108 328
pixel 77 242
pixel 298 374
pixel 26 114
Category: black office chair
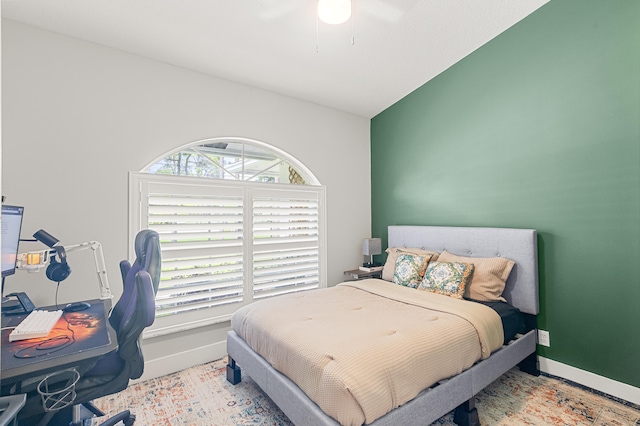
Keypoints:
pixel 134 311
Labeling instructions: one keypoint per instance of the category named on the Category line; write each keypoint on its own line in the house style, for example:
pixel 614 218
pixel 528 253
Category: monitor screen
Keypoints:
pixel 11 223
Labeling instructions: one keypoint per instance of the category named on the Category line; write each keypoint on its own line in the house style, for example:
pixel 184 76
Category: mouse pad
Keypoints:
pixel 74 332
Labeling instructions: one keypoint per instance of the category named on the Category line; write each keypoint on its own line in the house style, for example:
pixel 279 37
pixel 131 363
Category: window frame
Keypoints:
pixel 138 216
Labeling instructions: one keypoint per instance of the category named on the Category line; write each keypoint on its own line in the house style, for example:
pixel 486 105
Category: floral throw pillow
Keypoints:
pixel 392 254
pixel 447 278
pixel 410 269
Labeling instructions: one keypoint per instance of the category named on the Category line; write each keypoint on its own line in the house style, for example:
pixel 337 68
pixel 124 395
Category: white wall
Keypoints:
pixel 77 117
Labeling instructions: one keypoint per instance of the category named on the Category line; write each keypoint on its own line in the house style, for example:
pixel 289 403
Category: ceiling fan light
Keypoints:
pixel 334 11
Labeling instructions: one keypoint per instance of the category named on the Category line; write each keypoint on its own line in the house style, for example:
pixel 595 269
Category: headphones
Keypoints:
pixel 58 270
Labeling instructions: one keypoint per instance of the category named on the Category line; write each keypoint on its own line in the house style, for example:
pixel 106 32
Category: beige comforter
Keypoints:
pixel 363 348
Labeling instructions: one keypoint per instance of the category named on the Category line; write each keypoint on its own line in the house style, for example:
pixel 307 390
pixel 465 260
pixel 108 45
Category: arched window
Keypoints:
pixel 233 159
pixel 238 220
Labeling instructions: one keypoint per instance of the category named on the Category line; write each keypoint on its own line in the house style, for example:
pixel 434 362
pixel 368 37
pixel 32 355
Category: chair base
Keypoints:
pixel 76 415
pixel 125 417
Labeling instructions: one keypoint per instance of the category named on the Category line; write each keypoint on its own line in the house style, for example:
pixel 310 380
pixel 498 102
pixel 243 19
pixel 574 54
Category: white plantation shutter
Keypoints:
pixel 201 237
pixel 226 243
pixel 285 242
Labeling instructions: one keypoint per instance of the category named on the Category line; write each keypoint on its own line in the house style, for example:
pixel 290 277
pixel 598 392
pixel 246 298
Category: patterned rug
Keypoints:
pixel 201 396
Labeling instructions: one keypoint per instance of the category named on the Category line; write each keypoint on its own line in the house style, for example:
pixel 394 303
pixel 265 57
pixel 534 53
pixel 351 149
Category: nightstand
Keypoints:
pixel 357 274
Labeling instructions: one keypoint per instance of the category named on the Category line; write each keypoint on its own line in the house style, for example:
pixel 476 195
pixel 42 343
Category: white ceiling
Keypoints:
pixel 271 44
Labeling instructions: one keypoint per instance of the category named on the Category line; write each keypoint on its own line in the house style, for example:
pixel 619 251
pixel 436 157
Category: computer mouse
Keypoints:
pixel 76 306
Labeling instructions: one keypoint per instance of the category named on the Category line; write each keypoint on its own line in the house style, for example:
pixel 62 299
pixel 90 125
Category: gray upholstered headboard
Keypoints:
pixel 519 245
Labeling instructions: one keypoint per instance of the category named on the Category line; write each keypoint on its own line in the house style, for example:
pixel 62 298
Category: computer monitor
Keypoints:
pixel 11 224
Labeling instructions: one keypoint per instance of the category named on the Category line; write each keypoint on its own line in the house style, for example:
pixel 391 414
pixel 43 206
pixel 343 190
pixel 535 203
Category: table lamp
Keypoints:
pixel 371 247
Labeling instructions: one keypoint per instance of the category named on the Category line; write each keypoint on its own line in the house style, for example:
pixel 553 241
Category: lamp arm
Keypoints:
pixel 42 258
pixel 101 268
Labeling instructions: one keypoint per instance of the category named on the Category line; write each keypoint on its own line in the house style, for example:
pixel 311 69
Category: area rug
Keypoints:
pixel 201 396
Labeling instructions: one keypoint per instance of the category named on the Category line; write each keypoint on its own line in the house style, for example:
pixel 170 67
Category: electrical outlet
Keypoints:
pixel 543 338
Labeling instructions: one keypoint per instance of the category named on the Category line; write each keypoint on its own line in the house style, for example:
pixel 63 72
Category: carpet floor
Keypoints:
pixel 201 396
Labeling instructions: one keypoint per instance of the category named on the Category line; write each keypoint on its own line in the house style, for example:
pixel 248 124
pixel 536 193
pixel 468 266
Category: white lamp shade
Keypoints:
pixel 371 246
pixel 334 11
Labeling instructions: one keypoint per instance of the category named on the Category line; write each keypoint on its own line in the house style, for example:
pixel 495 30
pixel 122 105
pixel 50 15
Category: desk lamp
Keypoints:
pixel 371 247
pixel 37 260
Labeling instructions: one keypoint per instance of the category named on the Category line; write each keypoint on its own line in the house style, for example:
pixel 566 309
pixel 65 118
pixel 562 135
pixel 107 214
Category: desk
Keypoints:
pixel 92 337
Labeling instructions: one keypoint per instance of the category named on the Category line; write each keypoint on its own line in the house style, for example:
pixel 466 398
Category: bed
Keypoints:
pixel 446 394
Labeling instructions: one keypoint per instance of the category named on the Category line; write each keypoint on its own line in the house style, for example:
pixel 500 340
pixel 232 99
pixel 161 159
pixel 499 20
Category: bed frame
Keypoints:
pixel 456 393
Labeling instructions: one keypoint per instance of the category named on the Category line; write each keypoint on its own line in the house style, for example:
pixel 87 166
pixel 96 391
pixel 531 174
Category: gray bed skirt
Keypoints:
pixel 426 408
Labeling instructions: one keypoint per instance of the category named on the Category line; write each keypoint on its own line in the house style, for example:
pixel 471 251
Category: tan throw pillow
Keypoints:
pixel 392 254
pixel 489 276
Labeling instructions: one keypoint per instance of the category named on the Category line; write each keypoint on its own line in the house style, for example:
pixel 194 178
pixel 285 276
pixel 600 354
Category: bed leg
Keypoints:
pixel 530 365
pixel 234 374
pixel 466 414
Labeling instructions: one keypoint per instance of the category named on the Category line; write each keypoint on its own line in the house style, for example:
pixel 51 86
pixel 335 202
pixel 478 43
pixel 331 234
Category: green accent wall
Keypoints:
pixel 539 128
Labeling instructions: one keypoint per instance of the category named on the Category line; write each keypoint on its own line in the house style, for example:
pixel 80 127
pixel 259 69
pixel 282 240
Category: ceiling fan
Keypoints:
pixel 383 10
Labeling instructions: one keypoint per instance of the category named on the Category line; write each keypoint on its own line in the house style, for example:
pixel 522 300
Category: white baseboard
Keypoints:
pixel 175 362
pixel 591 380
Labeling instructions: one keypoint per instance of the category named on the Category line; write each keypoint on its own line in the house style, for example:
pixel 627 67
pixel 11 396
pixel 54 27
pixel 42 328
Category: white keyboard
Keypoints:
pixel 36 324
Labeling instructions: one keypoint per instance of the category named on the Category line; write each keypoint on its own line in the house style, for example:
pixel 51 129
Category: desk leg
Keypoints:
pixel 75 415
